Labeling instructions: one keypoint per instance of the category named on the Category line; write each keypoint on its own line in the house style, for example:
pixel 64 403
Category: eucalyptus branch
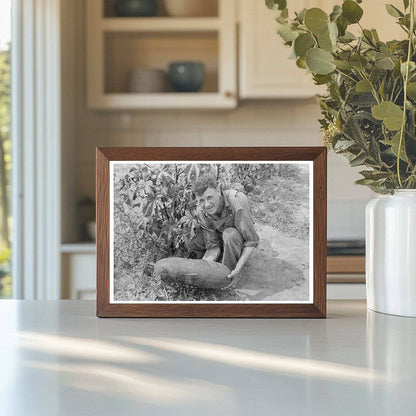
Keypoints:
pixel 406 79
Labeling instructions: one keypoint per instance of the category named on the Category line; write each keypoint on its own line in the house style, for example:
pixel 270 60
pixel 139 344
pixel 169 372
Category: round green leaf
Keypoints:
pixel 319 61
pixel 393 11
pixel 276 4
pixel 316 20
pixel 391 114
pixel 385 63
pixel 286 32
pixel 328 40
pixel 351 11
pixel 301 63
pixel 303 43
pixel 411 90
pixel 342 25
pixel 336 12
pixel 363 86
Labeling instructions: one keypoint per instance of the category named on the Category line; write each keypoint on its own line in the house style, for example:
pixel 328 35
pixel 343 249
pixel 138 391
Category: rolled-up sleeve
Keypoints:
pixel 244 224
pixel 244 221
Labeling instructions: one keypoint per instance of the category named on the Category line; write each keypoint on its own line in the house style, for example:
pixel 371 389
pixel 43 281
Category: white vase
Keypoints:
pixel 391 253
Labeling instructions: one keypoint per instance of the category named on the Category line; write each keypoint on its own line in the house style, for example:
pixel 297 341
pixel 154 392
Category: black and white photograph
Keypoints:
pixel 211 232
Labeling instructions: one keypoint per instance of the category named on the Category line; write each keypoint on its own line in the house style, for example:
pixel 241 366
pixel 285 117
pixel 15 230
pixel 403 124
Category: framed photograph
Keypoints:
pixel 211 232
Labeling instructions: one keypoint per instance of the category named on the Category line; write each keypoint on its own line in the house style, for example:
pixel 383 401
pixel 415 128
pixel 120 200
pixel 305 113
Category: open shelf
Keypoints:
pixel 108 9
pixel 116 46
pixel 127 51
pixel 160 24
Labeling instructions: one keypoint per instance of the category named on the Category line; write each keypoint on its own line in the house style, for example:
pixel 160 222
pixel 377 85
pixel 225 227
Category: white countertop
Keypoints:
pixel 57 358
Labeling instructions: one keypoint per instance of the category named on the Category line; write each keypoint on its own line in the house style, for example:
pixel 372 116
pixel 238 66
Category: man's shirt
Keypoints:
pixel 235 213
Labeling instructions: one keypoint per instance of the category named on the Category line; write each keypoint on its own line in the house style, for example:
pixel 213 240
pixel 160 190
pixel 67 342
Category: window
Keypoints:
pixel 5 145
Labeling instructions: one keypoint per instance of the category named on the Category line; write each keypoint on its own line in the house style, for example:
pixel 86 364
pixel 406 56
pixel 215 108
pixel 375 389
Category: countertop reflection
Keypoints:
pixel 57 358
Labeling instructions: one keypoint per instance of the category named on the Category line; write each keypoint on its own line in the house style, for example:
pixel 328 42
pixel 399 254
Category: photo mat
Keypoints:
pixel 154 215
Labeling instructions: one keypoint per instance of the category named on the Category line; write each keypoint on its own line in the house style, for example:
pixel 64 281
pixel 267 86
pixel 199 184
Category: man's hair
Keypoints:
pixel 203 183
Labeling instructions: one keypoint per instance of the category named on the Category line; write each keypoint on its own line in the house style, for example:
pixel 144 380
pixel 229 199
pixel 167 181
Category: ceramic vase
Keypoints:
pixel 391 253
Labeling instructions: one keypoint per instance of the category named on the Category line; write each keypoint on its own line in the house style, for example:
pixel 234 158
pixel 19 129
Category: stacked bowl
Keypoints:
pixel 147 80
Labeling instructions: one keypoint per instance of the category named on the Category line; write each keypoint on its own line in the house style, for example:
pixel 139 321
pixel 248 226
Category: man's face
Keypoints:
pixel 209 201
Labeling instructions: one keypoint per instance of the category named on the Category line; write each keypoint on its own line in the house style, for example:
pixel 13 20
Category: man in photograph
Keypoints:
pixel 225 230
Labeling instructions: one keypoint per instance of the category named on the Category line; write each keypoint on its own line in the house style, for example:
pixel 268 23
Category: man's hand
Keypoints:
pixel 235 277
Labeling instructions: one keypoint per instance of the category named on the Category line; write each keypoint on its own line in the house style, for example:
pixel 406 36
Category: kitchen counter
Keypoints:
pixel 57 358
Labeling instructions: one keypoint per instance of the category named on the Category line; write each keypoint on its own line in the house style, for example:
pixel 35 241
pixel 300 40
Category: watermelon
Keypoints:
pixel 202 273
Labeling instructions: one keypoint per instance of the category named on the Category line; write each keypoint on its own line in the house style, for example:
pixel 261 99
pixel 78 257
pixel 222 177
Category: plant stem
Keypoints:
pixel 406 79
pixel 345 75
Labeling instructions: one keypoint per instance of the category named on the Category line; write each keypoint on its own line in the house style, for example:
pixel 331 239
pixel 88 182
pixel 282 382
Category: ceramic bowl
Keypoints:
pixel 147 80
pixel 186 76
pixel 135 8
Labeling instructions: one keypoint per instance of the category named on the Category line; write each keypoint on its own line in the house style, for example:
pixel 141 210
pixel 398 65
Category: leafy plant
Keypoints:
pixel 369 113
pixel 155 211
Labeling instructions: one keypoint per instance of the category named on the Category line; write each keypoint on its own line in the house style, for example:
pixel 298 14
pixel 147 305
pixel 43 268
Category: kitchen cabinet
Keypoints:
pixel 265 70
pixel 78 263
pixel 118 45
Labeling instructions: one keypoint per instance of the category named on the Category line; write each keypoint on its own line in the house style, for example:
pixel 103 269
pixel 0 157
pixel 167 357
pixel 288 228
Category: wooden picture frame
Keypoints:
pixel 315 307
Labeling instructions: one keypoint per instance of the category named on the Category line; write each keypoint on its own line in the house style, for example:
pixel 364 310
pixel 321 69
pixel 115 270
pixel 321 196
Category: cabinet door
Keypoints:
pixel 265 68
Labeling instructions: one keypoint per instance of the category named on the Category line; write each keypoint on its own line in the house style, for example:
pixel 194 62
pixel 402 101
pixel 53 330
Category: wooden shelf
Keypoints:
pixel 163 101
pixel 159 24
pixel 116 46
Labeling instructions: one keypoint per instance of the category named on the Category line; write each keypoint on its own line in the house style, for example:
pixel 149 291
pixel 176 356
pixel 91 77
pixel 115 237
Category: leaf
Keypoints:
pixel 286 32
pixel 374 150
pixel 324 42
pixel 347 37
pixel 411 90
pixel 351 11
pixel 336 12
pixel 342 25
pixel 391 114
pixel 406 4
pixel 393 11
pixel 385 63
pixel 375 35
pixel 301 15
pixel 303 43
pixel 358 61
pixel 316 20
pixel 276 4
pixel 341 64
pixel 328 40
pixel 319 61
pixel 412 67
pixel 343 145
pixel 358 160
pixel 364 181
pixel 354 132
pixel 363 86
pixel 394 145
pixel 301 63
pixel 321 79
pixel 374 175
